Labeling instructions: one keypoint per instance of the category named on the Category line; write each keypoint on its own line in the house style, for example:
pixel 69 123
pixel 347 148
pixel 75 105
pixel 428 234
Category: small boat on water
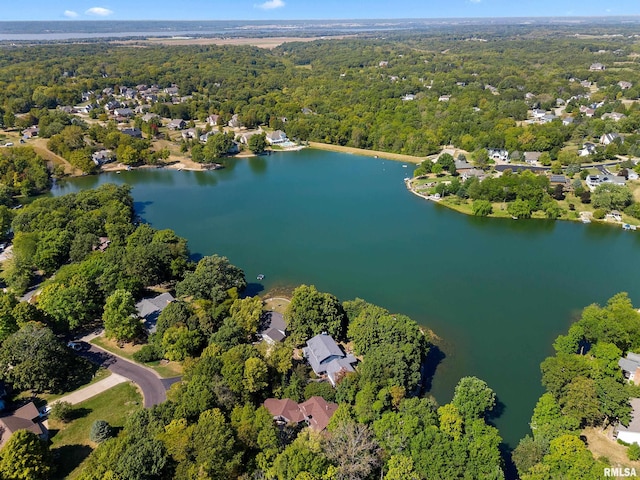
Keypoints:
pixel 260 277
pixel 404 166
pixel 586 220
pixel 627 226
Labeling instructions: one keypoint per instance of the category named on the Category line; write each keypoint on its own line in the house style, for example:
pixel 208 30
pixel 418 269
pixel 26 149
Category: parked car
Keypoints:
pixel 76 346
pixel 44 411
pixel 8 144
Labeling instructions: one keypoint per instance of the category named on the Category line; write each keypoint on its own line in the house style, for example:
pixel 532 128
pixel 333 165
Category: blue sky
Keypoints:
pixel 304 9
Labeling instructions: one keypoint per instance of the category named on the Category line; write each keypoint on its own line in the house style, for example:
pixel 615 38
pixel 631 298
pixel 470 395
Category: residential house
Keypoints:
pixel 31 132
pixel 593 181
pixel 235 121
pixel 625 85
pixel 383 63
pixel 102 245
pixel 205 136
pixel 587 149
pixel 608 138
pixel 532 157
pixel 492 89
pixel 123 112
pixel 190 133
pixel 273 328
pixel 595 67
pixel 177 124
pixel 213 120
pixel 132 132
pixel 102 156
pixel 567 121
pixel 147 117
pixel 630 433
pixel 172 90
pixel 26 417
pixel 444 98
pixel 558 179
pixel 307 111
pixel 538 113
pixel 473 173
pixel 244 138
pixel 498 154
pixel 284 411
pixel 277 137
pixel 632 174
pixel 585 83
pixel 112 105
pixel 630 366
pixel 408 97
pixel 463 166
pixel 327 358
pixel 549 117
pixel 149 309
pixel 316 411
pixel 615 116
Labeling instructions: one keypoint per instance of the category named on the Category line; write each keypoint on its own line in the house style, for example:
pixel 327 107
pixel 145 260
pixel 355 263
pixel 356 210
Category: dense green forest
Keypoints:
pixel 350 92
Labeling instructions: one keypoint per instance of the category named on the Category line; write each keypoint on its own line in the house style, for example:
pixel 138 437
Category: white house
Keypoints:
pixel 608 138
pixel 631 433
pixel 277 137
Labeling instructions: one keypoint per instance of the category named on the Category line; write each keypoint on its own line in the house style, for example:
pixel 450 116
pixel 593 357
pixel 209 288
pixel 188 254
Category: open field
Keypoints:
pixel 266 42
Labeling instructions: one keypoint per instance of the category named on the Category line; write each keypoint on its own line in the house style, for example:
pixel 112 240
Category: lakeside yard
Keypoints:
pixel 572 207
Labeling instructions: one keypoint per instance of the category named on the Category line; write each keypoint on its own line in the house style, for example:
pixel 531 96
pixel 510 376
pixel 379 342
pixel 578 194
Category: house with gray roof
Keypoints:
pixel 149 309
pixel 327 358
pixel 177 124
pixel 630 366
pixel 273 328
pixel 274 138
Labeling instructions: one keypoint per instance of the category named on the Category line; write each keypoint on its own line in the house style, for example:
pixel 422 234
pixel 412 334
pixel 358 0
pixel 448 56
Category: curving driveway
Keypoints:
pixel 154 389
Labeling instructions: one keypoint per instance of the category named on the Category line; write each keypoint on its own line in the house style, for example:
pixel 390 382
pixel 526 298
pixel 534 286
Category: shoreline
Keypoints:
pixel 398 157
pixel 409 185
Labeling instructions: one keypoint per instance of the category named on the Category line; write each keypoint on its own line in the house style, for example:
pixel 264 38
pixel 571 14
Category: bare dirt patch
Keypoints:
pixel 601 445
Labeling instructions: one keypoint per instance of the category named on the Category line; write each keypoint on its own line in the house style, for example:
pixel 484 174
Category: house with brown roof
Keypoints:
pixel 26 417
pixel 316 411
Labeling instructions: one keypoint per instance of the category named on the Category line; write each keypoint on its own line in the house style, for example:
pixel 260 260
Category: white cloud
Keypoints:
pixel 70 14
pixel 475 1
pixel 271 4
pixel 99 12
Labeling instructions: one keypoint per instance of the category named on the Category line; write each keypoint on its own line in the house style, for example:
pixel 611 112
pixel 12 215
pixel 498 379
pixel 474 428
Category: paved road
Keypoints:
pixel 153 388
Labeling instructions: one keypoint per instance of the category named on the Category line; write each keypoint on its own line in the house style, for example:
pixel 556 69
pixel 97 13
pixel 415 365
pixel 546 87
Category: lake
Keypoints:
pixel 496 291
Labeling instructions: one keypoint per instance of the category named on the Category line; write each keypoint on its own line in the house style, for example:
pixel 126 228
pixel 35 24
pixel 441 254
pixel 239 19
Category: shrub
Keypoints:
pixel 633 210
pixel 61 411
pixel 320 389
pixel 148 353
pixel 482 208
pixel 100 431
pixel 633 452
pixel 599 214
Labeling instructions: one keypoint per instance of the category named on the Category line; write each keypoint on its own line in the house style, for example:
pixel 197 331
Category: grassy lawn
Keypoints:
pixel 276 304
pixel 70 442
pixel 165 370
